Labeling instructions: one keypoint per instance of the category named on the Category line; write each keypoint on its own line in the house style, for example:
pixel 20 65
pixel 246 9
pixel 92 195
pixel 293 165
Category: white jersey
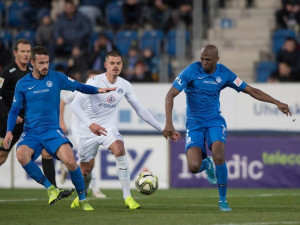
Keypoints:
pixel 102 108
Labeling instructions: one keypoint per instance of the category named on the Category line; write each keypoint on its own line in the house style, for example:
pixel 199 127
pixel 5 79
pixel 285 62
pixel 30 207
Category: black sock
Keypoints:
pixel 49 170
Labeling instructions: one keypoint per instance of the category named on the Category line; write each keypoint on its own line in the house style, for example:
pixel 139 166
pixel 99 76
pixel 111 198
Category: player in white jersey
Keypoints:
pixel 75 133
pixel 102 110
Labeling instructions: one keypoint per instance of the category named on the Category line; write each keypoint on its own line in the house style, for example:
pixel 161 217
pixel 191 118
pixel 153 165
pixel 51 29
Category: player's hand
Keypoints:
pixel 7 140
pixel 105 90
pixel 169 131
pixel 98 130
pixel 19 120
pixel 284 108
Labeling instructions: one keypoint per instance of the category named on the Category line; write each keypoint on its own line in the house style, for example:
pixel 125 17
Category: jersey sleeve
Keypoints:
pixel 67 83
pixel 18 97
pixel 76 108
pixel 182 80
pixel 235 82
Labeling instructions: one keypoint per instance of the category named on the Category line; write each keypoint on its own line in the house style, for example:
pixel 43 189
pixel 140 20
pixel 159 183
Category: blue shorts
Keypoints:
pixel 51 140
pixel 209 135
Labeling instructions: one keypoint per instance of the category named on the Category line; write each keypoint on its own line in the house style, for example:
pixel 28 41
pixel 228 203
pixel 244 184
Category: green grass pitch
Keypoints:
pixel 165 207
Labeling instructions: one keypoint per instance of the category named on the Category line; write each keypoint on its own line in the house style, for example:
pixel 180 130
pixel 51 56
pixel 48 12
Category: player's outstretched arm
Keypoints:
pixel 105 90
pixel 262 96
pixel 169 130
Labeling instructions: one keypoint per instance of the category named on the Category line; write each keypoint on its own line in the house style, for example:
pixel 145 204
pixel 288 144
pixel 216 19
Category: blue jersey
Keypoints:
pixel 41 99
pixel 203 92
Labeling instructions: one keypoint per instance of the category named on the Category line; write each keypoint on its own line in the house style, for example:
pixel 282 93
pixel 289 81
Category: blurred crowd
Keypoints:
pixel 78 33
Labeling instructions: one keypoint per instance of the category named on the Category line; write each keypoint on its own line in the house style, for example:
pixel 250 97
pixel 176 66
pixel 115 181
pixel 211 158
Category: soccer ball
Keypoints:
pixel 146 183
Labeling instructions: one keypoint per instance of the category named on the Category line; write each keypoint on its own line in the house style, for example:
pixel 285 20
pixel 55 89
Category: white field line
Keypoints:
pixel 262 223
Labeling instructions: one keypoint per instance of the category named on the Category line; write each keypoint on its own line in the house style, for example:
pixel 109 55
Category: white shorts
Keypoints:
pixel 89 145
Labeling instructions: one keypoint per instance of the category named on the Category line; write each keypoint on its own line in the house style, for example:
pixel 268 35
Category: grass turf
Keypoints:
pixel 173 206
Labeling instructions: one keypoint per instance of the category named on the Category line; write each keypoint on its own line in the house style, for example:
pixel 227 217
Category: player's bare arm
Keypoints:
pixel 97 129
pixel 8 138
pixel 105 90
pixel 169 130
pixel 262 96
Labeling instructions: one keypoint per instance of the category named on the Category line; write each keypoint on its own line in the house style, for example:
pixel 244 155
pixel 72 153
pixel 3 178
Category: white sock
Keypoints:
pixel 124 174
pixel 93 184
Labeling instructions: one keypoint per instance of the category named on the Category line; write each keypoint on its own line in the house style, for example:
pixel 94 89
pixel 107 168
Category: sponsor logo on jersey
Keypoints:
pixel 178 80
pixel 12 70
pixel 41 91
pixel 120 91
pixel 111 99
pixel 1 82
pixel 238 82
pixel 219 79
pixel 107 105
pixel 209 82
pixel 49 83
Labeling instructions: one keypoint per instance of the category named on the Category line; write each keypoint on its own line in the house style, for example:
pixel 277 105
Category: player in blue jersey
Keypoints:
pixel 39 93
pixel 202 82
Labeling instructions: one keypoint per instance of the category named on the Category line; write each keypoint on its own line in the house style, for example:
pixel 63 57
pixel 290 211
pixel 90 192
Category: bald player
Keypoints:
pixel 202 82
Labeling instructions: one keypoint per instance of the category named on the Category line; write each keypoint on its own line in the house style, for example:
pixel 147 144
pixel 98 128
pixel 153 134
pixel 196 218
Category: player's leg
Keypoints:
pixel 26 157
pixel 97 193
pixel 196 154
pixel 216 140
pixel 49 171
pixel 123 171
pixel 3 155
pixel 66 155
pixel 86 169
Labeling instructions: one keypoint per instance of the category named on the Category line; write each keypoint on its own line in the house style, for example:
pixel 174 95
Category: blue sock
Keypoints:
pixel 222 173
pixel 36 173
pixel 77 180
pixel 204 165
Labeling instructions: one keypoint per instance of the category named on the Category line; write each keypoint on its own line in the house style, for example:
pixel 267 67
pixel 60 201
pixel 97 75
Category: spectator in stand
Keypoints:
pixel 31 15
pixel 44 33
pixel 159 15
pixel 151 63
pixel 290 54
pixel 130 62
pixel 289 15
pixel 92 10
pixel 183 13
pixel 5 57
pixel 283 74
pixel 132 12
pixel 71 29
pixel 77 64
pixel 101 47
pixel 141 74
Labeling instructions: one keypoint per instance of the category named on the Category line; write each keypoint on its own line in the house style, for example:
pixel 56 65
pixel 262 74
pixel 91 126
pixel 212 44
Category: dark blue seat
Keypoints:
pixel 152 39
pixel 29 35
pixel 264 70
pixel 6 38
pixel 125 39
pixel 14 9
pixel 2 13
pixel 171 42
pixel 114 14
pixel 279 37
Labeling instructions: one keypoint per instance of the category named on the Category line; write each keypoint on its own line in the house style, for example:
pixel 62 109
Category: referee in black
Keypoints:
pixel 8 80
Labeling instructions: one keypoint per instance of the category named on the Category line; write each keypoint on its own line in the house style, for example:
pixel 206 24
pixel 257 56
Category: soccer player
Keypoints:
pixel 8 79
pixel 39 93
pixel 75 133
pixel 102 110
pixel 202 82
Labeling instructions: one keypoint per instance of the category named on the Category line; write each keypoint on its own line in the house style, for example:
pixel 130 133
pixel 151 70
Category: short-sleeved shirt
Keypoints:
pixel 203 92
pixel 41 99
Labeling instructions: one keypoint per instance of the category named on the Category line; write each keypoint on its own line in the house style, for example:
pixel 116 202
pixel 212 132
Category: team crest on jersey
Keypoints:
pixel 120 91
pixel 49 83
pixel 111 99
pixel 218 79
